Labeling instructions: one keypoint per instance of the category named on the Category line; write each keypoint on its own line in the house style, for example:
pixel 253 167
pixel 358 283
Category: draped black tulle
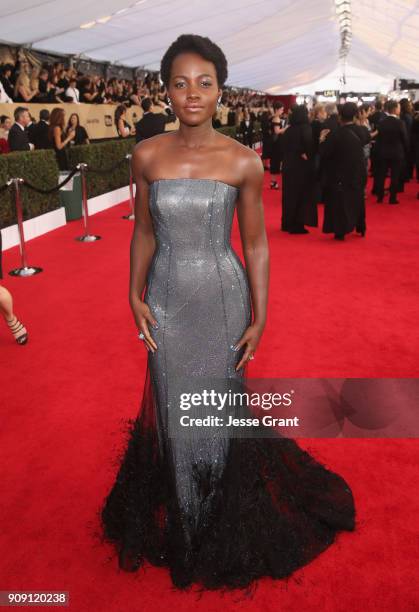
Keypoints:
pixel 274 509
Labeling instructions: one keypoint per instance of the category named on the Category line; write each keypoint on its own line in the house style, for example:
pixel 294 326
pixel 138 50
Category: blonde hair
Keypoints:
pixel 318 108
pixel 22 81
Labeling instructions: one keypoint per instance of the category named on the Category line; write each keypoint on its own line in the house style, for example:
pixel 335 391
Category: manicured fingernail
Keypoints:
pixel 156 326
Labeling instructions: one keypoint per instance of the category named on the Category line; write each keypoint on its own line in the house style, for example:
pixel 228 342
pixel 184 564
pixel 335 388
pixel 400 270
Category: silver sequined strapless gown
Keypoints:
pixel 217 510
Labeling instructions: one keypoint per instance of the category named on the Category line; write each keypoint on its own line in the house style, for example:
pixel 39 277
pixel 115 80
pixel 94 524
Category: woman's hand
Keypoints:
pixel 323 135
pixel 250 339
pixel 143 316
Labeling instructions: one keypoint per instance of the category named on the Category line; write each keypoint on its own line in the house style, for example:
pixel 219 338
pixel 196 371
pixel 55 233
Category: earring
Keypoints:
pixel 169 101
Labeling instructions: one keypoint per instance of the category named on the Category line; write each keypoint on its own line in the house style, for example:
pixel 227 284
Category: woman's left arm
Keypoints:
pixel 250 215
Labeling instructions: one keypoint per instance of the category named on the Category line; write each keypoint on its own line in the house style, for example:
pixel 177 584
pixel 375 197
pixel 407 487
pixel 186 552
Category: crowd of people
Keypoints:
pixel 323 154
pixel 55 83
pixel 326 154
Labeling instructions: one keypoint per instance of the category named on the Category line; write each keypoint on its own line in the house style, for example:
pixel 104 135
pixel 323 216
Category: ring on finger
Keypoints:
pixel 251 357
pixel 141 336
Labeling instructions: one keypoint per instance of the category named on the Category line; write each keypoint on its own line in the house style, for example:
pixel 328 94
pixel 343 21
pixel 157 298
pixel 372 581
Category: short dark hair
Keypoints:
pixel 44 114
pixel 348 111
pixel 278 105
pixel 391 105
pixel 193 43
pixel 298 114
pixel 19 110
pixel 146 104
pixel 3 118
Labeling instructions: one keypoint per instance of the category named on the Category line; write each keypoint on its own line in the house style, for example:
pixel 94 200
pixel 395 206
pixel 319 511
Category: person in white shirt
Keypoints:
pixel 3 95
pixel 72 92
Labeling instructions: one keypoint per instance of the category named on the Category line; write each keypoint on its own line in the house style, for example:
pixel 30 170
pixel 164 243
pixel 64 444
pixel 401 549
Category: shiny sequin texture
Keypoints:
pixel 198 292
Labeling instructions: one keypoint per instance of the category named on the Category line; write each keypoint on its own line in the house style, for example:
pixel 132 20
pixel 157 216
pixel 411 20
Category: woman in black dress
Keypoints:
pixel 277 129
pixel 57 137
pixel 266 137
pixel 298 201
pixel 17 328
pixel 81 136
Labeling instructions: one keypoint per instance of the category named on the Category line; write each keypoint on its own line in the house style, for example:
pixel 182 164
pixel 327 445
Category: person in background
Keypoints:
pixel 5 125
pixel 392 145
pixel 40 133
pixel 317 125
pixel 266 138
pixel 81 137
pixel 4 98
pixel 298 201
pixel 72 93
pixel 135 96
pixel 18 330
pixel 277 129
pixel 246 128
pixel 362 120
pixel 415 137
pixel 342 155
pixel 18 135
pixel 375 117
pixel 88 92
pixel 6 72
pixel 406 115
pixel 31 128
pixel 331 122
pixel 123 128
pixel 58 139
pixel 151 123
pixel 23 90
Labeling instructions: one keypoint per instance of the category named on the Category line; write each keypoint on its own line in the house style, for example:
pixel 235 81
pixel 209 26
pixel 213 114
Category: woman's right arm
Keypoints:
pixel 26 95
pixel 57 137
pixel 143 245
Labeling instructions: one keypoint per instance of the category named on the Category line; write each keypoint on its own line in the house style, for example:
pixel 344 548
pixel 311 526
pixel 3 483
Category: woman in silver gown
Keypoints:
pixel 219 511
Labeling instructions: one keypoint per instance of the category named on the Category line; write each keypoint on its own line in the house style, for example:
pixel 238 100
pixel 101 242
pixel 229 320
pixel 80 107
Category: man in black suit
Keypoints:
pixel 151 123
pixel 18 135
pixel 391 148
pixel 377 116
pixel 40 133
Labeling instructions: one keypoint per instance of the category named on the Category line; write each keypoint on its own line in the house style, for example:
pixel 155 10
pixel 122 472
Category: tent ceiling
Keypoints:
pixel 272 45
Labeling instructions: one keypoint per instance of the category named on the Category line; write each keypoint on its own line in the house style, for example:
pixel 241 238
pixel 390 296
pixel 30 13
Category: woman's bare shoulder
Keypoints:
pixel 244 159
pixel 147 149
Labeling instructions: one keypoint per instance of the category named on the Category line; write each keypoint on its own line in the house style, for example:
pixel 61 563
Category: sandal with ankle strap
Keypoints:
pixel 15 327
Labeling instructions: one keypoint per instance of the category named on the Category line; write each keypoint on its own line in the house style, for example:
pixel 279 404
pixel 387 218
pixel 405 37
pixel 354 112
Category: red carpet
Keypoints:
pixel 336 309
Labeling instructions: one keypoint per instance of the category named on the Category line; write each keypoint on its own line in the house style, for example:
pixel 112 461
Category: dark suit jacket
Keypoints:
pixel 18 139
pixel 392 140
pixel 31 129
pixel 152 124
pixel 375 119
pixel 40 136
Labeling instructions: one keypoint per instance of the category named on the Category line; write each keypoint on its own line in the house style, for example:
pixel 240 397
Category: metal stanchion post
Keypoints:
pixel 131 216
pixel 25 270
pixel 86 237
